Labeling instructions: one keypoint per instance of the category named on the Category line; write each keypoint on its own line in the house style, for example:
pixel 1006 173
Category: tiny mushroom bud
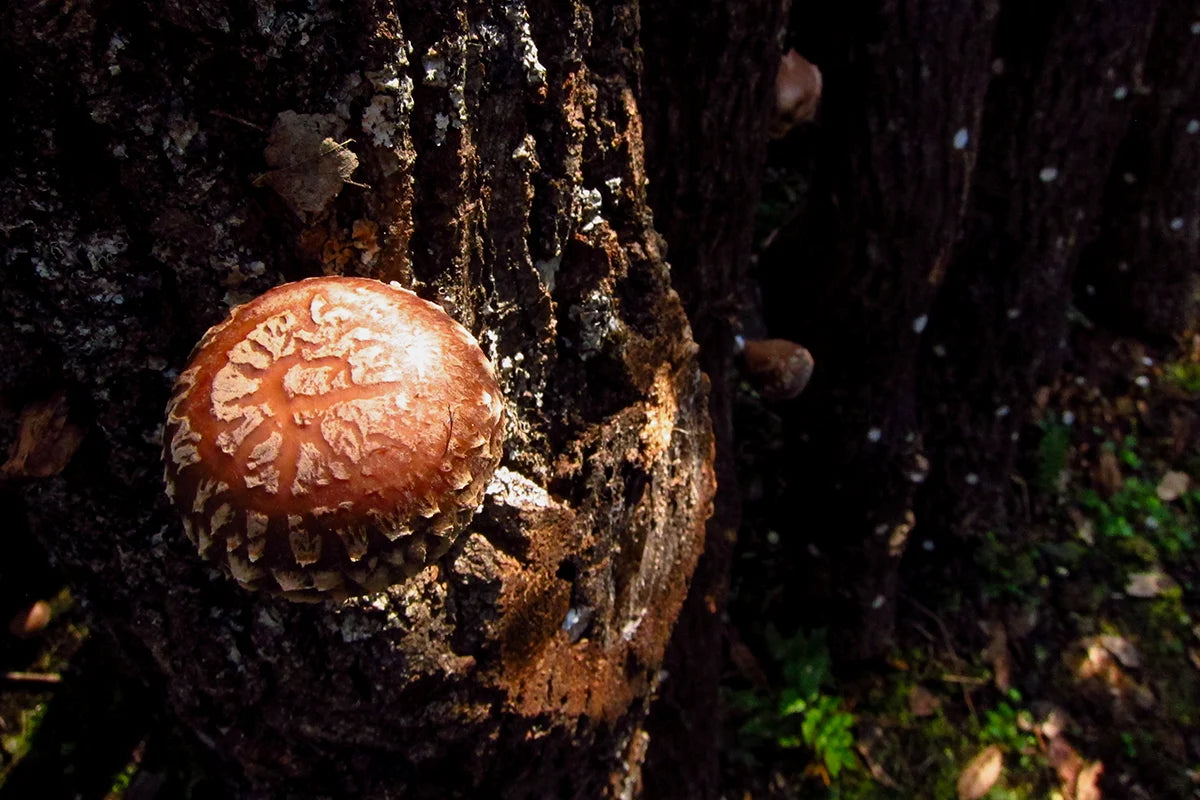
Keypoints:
pixel 797 93
pixel 331 438
pixel 778 368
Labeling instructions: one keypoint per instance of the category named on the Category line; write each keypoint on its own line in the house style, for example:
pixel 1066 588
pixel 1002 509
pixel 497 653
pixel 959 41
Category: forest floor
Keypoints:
pixel 1062 660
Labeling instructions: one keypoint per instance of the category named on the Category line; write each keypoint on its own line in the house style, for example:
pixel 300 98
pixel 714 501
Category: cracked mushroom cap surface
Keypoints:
pixel 331 438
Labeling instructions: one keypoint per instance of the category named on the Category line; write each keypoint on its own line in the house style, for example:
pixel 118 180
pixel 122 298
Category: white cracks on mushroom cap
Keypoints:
pixel 324 403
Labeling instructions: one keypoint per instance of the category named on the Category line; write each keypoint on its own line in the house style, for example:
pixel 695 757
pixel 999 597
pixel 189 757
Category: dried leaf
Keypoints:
pixel 1088 785
pixel 1065 761
pixel 309 161
pixel 922 702
pixel 1149 584
pixel 1173 485
pixel 1123 650
pixel 46 440
pixel 980 774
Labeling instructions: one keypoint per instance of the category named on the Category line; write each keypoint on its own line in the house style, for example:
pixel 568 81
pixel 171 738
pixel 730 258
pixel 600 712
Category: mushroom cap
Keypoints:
pixel 331 437
pixel 778 368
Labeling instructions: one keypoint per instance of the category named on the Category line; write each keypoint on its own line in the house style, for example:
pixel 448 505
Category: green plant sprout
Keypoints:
pixel 800 715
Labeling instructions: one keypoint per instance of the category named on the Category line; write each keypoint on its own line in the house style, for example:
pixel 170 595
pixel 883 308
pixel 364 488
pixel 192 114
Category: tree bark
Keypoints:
pixel 956 174
pixel 1140 274
pixel 500 172
pixel 708 89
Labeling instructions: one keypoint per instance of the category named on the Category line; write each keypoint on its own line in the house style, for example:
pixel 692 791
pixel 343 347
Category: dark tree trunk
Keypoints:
pixel 957 170
pixel 1142 272
pixel 499 172
pixel 708 94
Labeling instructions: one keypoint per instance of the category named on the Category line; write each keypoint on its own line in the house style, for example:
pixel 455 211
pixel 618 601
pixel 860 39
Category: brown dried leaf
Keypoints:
pixel 922 702
pixel 1149 584
pixel 980 774
pixel 309 161
pixel 46 440
pixel 1088 785
pixel 1065 761
pixel 1173 485
pixel 1123 650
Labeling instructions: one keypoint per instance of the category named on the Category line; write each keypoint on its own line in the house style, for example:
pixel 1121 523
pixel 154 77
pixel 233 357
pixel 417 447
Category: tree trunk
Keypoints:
pixel 956 173
pixel 709 80
pixel 500 172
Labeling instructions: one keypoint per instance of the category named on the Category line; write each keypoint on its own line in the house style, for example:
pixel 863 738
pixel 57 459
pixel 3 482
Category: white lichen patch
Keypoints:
pixel 514 489
pixel 586 208
pixel 523 45
pixel 597 322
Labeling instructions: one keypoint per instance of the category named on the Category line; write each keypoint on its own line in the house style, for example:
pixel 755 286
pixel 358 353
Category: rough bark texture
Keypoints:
pixel 1142 273
pixel 500 173
pixel 709 76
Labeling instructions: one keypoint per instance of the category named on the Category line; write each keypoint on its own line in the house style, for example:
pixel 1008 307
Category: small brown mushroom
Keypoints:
pixel 29 621
pixel 331 438
pixel 797 93
pixel 779 369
